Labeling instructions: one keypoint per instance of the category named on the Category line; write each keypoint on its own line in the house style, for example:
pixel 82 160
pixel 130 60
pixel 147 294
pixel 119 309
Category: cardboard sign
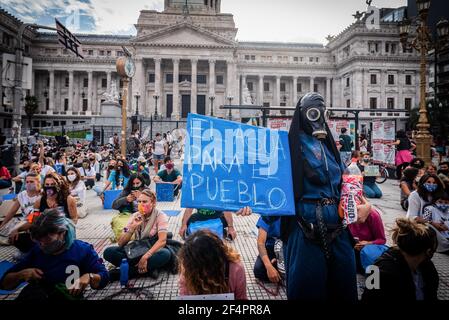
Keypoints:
pixel 372 171
pixel 229 166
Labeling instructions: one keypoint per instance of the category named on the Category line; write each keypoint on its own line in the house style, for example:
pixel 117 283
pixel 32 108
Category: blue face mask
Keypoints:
pixel 442 207
pixel 430 187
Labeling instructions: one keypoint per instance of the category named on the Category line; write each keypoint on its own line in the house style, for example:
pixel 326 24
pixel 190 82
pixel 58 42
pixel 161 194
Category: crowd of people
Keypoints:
pixel 51 198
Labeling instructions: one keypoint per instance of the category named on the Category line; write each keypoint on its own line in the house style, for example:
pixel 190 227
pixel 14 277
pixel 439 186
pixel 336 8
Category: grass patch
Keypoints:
pixel 71 135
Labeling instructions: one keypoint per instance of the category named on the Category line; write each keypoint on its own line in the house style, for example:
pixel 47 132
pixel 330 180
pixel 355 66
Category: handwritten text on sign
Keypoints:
pixel 229 166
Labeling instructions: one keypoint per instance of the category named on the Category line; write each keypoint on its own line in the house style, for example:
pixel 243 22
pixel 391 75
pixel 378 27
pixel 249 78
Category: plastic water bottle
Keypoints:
pixel 124 270
pixel 351 193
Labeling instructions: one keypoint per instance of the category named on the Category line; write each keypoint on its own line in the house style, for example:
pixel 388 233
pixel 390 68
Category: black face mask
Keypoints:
pixel 111 167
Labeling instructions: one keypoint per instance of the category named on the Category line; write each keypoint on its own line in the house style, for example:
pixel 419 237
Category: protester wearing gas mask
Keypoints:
pixel 45 267
pixel 56 195
pixel 318 251
pixel 429 185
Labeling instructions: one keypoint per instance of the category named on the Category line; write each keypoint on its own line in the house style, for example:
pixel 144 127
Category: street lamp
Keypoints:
pixel 423 43
pixel 230 98
pixel 137 103
pixel 156 97
pixel 212 99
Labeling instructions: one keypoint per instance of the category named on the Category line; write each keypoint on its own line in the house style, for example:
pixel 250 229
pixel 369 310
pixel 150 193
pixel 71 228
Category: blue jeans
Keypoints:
pixel 5 184
pixel 372 191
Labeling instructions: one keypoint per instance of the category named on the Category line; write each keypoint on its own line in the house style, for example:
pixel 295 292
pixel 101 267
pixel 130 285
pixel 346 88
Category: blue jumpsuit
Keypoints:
pixel 309 277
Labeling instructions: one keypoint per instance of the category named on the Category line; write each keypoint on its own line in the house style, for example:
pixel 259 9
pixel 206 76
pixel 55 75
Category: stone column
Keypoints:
pixel 51 91
pixel 33 83
pixel 382 102
pixel 89 91
pixel 176 112
pixel 70 91
pixel 312 84
pixel 328 92
pixel 212 79
pixel 157 84
pixel 277 99
pixel 59 105
pixel 95 102
pixel 194 87
pixel 294 98
pixel 261 91
pixel 401 83
pixel 108 81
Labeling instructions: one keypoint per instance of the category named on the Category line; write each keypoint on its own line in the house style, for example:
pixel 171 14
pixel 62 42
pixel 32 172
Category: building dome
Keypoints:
pixel 193 6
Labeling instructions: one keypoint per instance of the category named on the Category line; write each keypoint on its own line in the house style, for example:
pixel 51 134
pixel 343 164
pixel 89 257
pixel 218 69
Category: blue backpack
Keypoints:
pixel 213 225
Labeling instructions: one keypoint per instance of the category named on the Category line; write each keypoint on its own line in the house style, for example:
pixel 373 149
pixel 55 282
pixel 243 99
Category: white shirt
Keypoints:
pixel 111 140
pixel 87 172
pixel 159 147
pixel 415 205
pixel 79 191
pixel 27 203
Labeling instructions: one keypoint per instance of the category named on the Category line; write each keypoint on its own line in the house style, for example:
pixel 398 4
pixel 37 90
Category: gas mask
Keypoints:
pixel 313 115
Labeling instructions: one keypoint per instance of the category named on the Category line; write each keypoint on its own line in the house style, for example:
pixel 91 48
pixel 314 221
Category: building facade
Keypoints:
pixel 188 60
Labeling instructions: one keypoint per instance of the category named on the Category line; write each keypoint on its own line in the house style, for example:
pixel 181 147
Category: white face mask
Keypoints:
pixel 71 177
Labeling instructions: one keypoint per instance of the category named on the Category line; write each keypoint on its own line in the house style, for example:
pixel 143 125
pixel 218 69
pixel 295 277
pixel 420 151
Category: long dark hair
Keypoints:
pixel 423 193
pixel 78 176
pixel 62 188
pixel 125 170
pixel 129 185
pixel 203 259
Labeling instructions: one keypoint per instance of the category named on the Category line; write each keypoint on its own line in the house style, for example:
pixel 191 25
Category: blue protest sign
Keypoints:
pixel 229 165
pixel 164 192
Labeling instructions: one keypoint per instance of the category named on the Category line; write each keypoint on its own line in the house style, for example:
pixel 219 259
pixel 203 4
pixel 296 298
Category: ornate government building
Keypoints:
pixel 188 60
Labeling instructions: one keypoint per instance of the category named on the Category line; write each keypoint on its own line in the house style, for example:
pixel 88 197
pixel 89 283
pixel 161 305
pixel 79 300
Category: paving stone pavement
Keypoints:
pixel 95 229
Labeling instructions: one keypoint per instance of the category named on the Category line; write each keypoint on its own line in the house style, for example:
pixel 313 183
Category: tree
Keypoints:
pixel 31 107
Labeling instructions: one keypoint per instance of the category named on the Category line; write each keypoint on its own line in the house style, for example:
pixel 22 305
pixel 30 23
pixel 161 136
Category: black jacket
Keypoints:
pixel 396 281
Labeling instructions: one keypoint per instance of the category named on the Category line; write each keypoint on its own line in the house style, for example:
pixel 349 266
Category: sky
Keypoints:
pixel 257 20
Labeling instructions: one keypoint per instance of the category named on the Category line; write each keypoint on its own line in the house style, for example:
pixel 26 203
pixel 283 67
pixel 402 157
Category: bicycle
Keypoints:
pixel 383 168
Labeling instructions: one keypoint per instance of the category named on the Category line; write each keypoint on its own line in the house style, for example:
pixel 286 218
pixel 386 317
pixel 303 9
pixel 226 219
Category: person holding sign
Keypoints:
pixel 370 173
pixel 318 248
pixel 170 175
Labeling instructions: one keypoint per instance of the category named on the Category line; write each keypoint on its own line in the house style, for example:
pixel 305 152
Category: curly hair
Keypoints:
pixel 62 188
pixel 203 260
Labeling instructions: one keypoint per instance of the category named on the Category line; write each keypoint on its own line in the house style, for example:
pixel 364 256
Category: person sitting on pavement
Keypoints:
pixel 147 223
pixel 406 270
pixel 443 173
pixel 120 176
pixel 431 169
pixel 166 160
pixel 17 229
pixel 127 200
pixel 95 164
pixel 108 183
pixel 141 168
pixel 369 235
pixel 45 267
pixel 5 177
pixel 160 151
pixel 77 190
pixel 56 195
pixel 170 175
pixel 429 185
pixel 265 267
pixel 370 188
pixel 88 174
pixel 408 184
pixel 437 215
pixel 208 266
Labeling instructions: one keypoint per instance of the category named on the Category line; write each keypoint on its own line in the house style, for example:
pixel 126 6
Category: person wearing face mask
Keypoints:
pixel 170 175
pixel 45 267
pixel 127 200
pixel 406 270
pixel 78 191
pixel 318 248
pixel 88 174
pixel 370 187
pixel 437 215
pixel 119 177
pixel 147 223
pixel 141 168
pixel 408 184
pixel 56 195
pixel 16 228
pixel 443 173
pixel 429 185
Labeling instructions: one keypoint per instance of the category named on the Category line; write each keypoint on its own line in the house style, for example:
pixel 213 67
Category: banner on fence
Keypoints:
pixel 383 132
pixel 279 124
pixel 230 165
pixel 335 127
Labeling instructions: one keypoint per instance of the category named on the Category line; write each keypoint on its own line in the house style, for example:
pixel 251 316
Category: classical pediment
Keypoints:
pixel 182 35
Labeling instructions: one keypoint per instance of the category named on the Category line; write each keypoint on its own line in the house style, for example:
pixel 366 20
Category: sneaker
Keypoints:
pixel 114 275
